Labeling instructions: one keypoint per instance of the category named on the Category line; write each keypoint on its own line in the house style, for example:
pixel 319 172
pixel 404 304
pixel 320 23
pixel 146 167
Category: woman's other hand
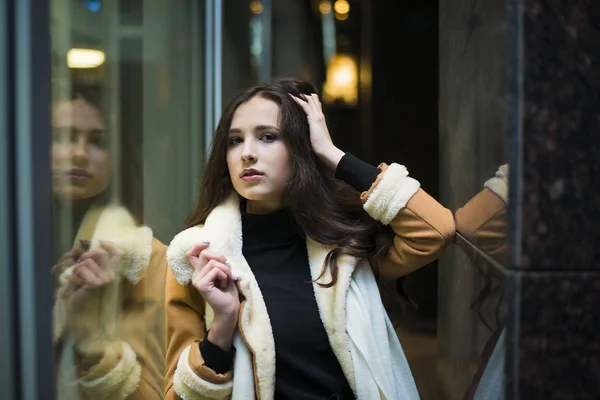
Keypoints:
pixel 320 138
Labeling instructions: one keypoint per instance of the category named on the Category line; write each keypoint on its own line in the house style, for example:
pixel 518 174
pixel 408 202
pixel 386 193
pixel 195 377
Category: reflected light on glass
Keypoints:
pixel 256 7
pixel 342 80
pixel 325 7
pixel 85 58
pixel 341 17
pixel 93 5
pixel 341 7
pixel 329 40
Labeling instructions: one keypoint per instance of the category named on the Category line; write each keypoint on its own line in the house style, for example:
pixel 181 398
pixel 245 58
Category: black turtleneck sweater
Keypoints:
pixel 306 367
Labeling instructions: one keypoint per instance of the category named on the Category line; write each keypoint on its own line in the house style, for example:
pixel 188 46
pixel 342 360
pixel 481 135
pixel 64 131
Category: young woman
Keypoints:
pixel 109 310
pixel 272 289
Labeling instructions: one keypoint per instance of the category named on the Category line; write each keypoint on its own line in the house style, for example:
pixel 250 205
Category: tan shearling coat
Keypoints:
pixel 422 227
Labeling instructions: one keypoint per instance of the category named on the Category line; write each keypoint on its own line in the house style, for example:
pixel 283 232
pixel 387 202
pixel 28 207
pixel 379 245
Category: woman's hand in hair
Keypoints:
pixel 320 138
pixel 213 279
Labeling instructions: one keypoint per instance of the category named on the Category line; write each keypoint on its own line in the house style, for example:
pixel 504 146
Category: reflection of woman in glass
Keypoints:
pixel 482 221
pixel 276 230
pixel 108 314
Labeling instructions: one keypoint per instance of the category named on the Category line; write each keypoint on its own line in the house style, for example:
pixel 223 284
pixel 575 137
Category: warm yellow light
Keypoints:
pixel 325 7
pixel 85 58
pixel 341 17
pixel 256 7
pixel 341 7
pixel 342 80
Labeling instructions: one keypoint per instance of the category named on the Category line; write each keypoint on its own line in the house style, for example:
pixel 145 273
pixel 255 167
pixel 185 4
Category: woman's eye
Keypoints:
pixel 98 141
pixel 59 135
pixel 268 137
pixel 235 140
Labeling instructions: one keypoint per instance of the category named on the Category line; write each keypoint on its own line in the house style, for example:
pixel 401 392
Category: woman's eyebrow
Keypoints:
pixel 266 127
pixel 256 128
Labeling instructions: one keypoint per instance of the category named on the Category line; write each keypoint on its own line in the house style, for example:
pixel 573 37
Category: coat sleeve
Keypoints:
pixel 422 226
pixel 483 219
pixel 187 375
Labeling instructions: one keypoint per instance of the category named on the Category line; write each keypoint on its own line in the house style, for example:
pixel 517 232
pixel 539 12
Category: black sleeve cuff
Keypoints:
pixel 215 357
pixel 356 172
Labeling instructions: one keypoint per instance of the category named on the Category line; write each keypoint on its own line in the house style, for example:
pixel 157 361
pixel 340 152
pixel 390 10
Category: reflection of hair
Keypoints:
pixel 324 209
pixel 91 94
pixel 489 290
pixel 494 280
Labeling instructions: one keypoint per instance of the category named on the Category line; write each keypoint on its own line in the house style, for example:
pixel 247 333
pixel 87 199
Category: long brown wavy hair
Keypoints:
pixel 324 208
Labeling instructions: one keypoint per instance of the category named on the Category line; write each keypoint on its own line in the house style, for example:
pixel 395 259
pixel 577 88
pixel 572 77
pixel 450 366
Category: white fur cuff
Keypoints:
pixel 190 386
pixel 391 194
pixel 120 382
pixel 499 183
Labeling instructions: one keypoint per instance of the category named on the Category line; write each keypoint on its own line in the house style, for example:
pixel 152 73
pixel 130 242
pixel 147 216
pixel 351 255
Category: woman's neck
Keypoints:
pixel 263 207
pixel 68 216
pixel 275 227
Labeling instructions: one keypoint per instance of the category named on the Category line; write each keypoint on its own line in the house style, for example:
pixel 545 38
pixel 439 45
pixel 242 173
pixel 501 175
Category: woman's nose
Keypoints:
pixel 80 153
pixel 249 151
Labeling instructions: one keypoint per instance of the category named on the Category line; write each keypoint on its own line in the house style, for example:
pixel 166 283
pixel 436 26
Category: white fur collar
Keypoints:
pixel 116 225
pixel 223 228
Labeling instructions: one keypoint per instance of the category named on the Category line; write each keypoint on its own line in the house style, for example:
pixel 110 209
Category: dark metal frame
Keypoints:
pixel 26 207
pixel 7 339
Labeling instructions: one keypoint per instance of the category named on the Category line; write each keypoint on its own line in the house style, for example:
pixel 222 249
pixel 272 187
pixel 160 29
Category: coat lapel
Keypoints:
pixel 332 303
pixel 223 228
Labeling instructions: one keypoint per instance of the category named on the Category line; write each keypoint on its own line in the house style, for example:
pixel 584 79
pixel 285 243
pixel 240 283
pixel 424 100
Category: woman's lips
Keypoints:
pixel 78 174
pixel 250 175
pixel 251 178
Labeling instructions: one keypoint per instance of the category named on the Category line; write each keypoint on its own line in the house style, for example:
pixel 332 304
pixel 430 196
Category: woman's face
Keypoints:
pixel 80 161
pixel 259 163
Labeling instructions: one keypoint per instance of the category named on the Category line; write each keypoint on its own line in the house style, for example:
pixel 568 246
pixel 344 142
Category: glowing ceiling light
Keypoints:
pixel 256 7
pixel 341 7
pixel 85 58
pixel 342 80
pixel 325 7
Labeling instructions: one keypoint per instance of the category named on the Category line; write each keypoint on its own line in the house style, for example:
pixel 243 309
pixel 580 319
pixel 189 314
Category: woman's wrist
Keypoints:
pixel 331 157
pixel 221 332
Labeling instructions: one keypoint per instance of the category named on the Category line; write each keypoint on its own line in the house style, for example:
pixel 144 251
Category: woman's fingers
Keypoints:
pixel 75 281
pixel 212 277
pixel 315 104
pixel 195 251
pixel 302 103
pixel 87 274
pixel 114 251
pixel 99 256
pixel 207 255
pixel 213 264
pixel 208 266
pixel 218 278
